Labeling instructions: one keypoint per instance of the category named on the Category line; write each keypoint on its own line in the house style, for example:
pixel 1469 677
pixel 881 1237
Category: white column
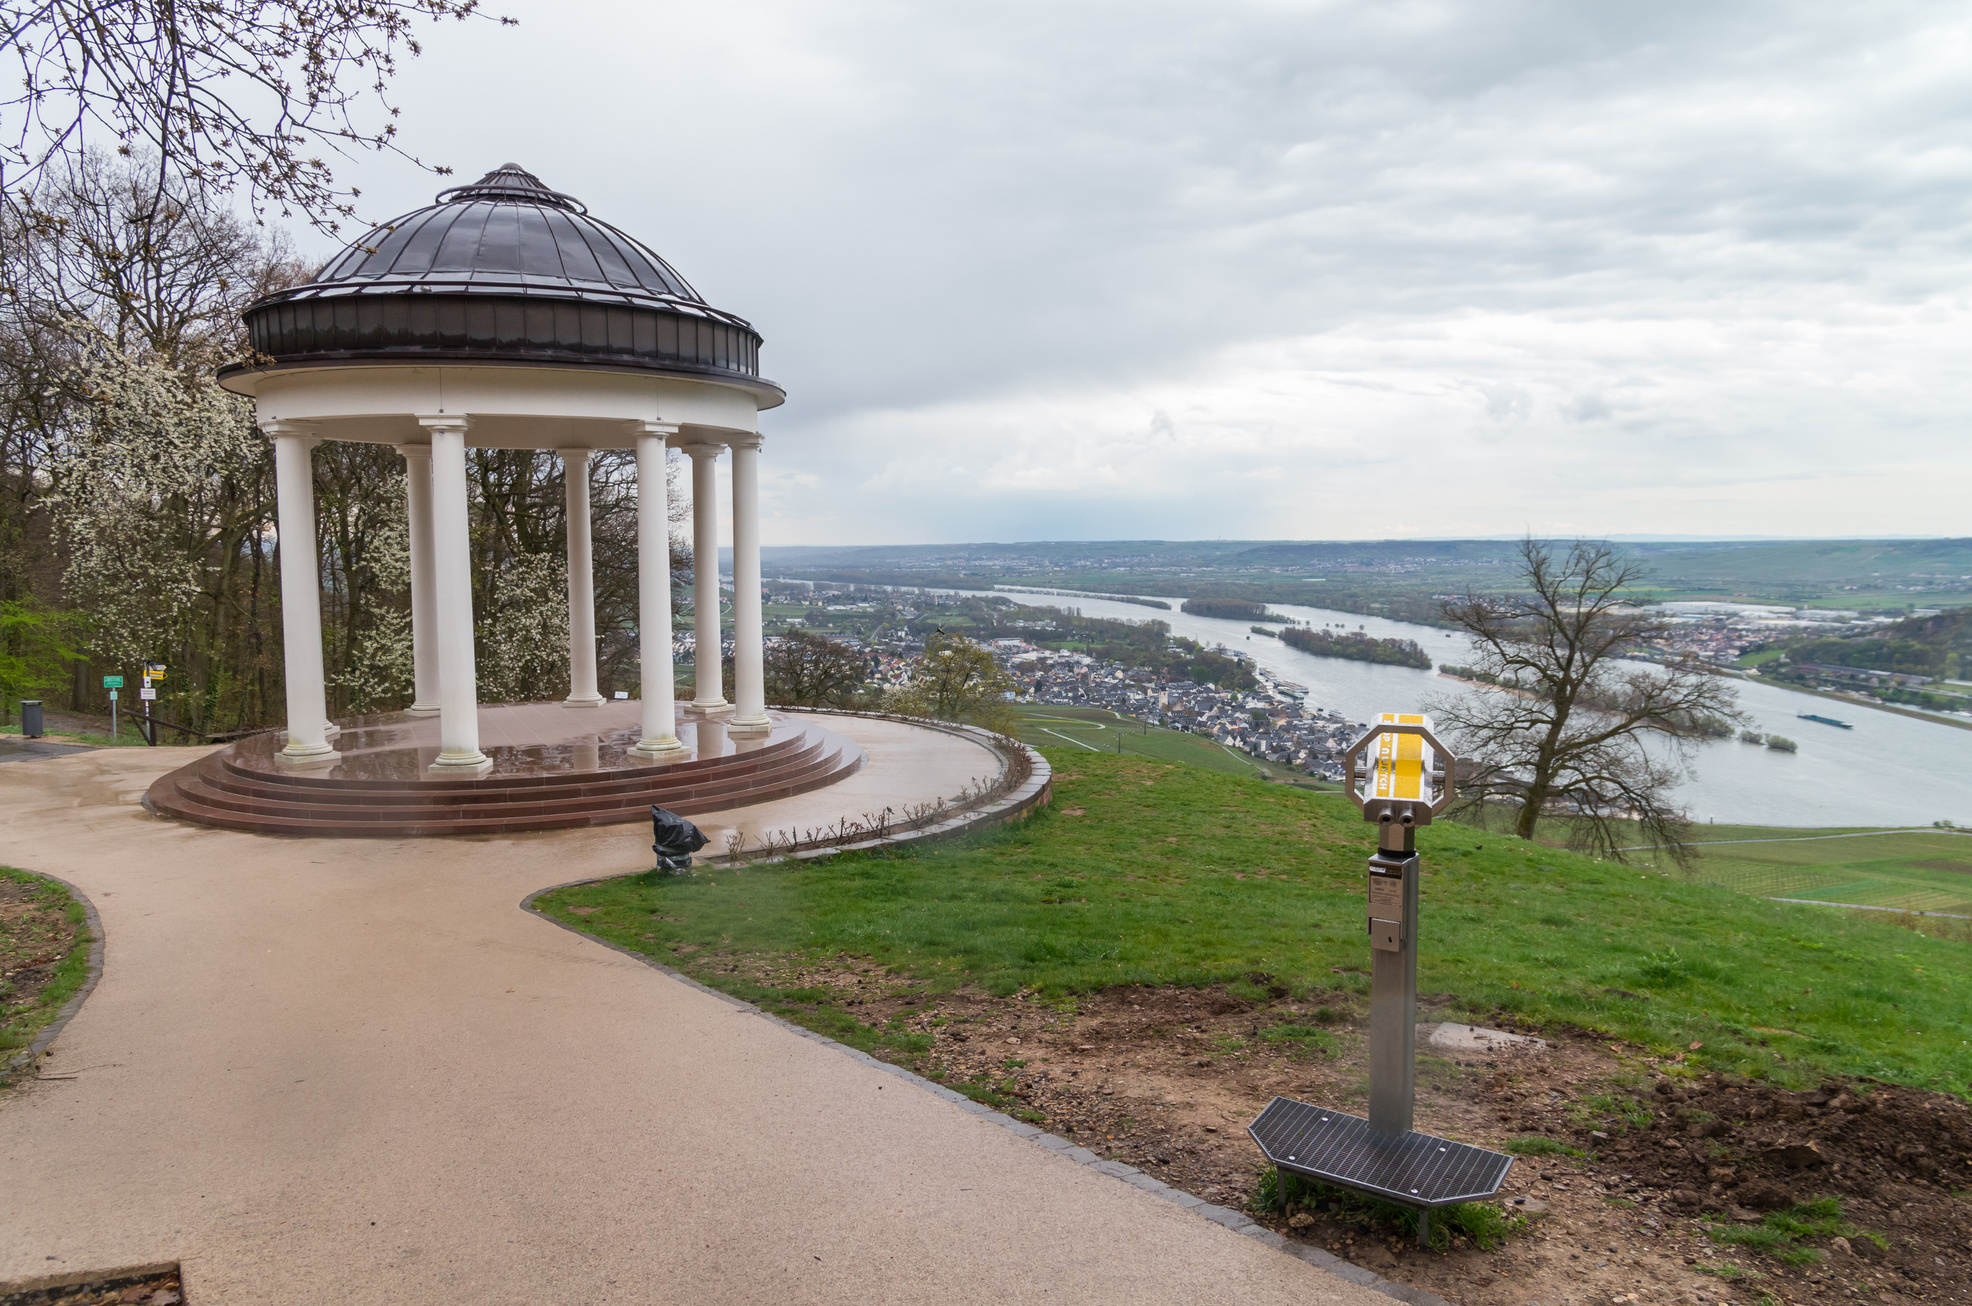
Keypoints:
pixel 424 588
pixel 458 673
pixel 749 682
pixel 654 595
pixel 705 573
pixel 301 592
pixel 581 583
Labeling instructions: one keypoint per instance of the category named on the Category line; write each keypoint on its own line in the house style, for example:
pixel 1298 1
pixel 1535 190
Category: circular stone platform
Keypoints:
pixel 553 768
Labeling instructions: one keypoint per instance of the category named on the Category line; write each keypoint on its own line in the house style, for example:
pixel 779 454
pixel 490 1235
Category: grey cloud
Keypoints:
pixel 952 207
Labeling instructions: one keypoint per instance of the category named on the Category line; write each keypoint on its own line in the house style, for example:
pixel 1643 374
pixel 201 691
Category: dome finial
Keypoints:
pixel 512 182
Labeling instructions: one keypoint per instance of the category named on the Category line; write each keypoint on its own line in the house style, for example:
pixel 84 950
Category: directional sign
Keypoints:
pixel 154 671
pixel 112 682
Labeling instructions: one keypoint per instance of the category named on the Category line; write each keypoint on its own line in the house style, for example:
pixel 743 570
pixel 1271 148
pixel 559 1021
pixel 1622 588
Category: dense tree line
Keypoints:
pixel 1356 647
pixel 1230 609
pixel 137 514
pixel 1136 644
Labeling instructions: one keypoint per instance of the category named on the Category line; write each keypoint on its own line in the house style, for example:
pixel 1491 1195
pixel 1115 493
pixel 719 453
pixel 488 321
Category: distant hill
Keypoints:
pixel 1919 646
pixel 1399 578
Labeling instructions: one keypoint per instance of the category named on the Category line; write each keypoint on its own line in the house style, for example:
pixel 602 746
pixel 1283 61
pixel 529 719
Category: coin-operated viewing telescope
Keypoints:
pixel 1399 776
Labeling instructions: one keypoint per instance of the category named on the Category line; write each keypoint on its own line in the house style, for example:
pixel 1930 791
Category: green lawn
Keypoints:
pixel 1928 871
pixel 44 955
pixel 1148 872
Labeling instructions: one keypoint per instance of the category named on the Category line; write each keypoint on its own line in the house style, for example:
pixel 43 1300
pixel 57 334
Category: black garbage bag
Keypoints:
pixel 677 839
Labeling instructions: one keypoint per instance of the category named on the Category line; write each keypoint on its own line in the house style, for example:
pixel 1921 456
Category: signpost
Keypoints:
pixel 153 677
pixel 1399 776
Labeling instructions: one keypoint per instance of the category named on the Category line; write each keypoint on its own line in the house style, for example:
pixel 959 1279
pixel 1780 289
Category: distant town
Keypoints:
pixel 1137 668
pixel 1059 657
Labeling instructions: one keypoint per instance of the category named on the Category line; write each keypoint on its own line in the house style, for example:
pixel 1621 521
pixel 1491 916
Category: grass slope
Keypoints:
pixel 1148 872
pixel 1910 871
pixel 1094 729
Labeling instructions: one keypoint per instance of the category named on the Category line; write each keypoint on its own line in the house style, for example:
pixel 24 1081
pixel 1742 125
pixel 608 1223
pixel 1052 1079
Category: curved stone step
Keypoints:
pixel 217 792
pixel 240 788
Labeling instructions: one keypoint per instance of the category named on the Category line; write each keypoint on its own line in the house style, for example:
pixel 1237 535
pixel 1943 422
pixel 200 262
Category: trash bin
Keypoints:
pixel 677 839
pixel 31 718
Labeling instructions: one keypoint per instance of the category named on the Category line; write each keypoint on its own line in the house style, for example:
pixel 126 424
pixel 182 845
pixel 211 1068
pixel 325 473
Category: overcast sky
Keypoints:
pixel 1283 270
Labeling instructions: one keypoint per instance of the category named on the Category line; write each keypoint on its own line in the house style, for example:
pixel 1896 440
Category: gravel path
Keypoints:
pixel 356 1071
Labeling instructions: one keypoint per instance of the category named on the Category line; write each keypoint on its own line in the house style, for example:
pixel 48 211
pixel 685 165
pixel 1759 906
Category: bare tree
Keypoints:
pixel 165 273
pixel 809 670
pixel 1570 728
pixel 222 93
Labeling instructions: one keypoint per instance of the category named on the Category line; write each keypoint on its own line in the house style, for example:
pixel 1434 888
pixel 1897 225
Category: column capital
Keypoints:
pixel 445 422
pixel 282 428
pixel 745 440
pixel 701 448
pixel 663 430
pixel 413 452
pixel 575 455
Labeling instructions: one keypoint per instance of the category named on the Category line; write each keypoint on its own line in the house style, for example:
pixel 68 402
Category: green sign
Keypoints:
pixel 112 682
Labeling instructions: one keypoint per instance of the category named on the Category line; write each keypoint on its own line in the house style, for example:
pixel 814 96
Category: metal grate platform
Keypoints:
pixel 1411 1169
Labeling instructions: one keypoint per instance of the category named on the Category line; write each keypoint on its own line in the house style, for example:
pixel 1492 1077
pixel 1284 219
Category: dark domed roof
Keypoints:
pixel 505 231
pixel 504 269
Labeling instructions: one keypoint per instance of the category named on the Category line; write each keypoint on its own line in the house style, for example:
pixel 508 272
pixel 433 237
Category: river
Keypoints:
pixel 1888 770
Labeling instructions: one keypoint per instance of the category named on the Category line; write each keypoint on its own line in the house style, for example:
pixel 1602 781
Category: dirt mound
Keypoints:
pixel 1735 1149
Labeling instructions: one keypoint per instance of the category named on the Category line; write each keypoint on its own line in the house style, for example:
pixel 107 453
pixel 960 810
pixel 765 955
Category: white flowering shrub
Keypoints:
pixel 147 497
pixel 365 532
pixel 523 634
pixel 382 674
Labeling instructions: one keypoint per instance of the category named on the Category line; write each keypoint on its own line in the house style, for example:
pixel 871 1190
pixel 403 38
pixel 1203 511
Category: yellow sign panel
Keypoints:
pixel 1401 760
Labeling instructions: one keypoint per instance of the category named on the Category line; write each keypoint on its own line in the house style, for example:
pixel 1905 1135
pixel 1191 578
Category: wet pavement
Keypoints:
pixel 16 749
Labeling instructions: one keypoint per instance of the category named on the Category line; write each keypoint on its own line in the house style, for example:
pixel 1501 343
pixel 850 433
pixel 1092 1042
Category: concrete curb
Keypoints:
pixel 94 924
pixel 1236 1221
pixel 1037 790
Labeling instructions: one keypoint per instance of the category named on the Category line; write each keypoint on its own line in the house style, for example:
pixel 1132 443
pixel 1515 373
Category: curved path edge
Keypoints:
pixel 48 1034
pixel 1237 1221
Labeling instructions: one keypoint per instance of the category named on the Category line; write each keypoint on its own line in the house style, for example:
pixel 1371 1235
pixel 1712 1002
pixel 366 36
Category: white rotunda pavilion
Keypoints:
pixel 504 316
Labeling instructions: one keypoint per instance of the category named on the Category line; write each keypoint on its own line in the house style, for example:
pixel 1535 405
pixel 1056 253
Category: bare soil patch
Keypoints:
pixel 1166 1079
pixel 147 1285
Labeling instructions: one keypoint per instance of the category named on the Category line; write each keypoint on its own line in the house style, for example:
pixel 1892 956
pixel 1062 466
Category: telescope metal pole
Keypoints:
pixel 1393 874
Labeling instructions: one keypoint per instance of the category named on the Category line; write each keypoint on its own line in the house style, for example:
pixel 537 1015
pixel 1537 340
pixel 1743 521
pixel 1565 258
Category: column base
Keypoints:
pixel 307 754
pixel 759 725
pixel 717 707
pixel 592 700
pixel 421 709
pixel 330 730
pixel 665 749
pixel 466 764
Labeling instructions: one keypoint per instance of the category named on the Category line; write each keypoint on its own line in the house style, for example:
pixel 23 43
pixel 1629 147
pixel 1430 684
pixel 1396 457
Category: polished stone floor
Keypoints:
pixel 521 739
